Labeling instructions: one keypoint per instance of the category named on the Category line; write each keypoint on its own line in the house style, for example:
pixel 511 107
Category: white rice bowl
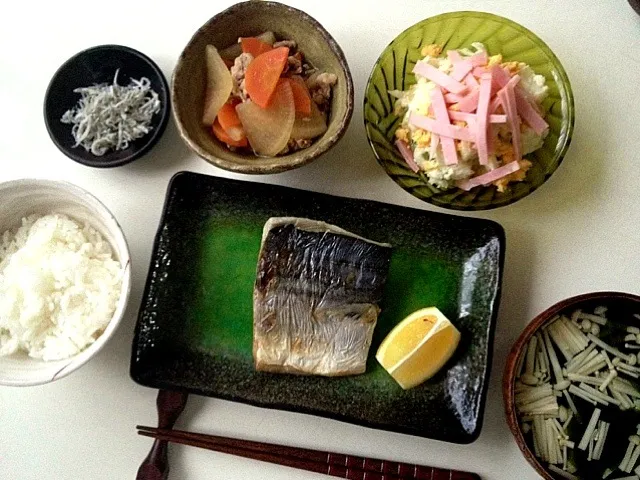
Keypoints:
pixel 59 286
pixel 64 279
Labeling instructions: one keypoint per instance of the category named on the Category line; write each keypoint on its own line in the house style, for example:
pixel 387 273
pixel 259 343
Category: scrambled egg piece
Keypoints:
pixel 402 134
pixel 513 67
pixel 502 147
pixel 518 176
pixel 422 138
pixel 432 50
pixel 494 60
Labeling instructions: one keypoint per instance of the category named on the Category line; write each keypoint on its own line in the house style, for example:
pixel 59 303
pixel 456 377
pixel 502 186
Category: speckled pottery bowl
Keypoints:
pixel 393 71
pixel 248 19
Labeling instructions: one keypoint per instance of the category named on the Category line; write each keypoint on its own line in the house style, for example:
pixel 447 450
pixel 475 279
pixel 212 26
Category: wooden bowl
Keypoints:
pixel 249 19
pixel 616 302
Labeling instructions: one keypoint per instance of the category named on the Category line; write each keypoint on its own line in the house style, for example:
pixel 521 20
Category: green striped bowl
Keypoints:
pixel 456 30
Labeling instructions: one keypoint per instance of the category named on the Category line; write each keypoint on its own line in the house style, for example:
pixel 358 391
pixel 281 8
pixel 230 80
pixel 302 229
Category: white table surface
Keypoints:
pixel 578 233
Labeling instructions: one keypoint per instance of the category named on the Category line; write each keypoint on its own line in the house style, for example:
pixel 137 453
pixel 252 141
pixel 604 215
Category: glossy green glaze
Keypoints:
pixel 457 30
pixel 195 326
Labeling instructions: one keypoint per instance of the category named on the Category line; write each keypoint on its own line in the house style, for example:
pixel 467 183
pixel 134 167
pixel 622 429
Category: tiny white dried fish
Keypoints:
pixel 109 117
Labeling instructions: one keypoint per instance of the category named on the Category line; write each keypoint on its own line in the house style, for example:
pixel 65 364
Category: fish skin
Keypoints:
pixel 316 298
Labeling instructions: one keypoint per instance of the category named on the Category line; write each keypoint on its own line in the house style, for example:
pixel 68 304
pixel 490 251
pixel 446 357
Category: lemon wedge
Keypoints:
pixel 418 347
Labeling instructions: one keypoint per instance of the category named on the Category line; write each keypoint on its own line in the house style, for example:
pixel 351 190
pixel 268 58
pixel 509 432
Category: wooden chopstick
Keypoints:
pixel 337 465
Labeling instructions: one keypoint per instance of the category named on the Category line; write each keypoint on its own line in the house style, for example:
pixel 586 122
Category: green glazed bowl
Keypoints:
pixel 393 70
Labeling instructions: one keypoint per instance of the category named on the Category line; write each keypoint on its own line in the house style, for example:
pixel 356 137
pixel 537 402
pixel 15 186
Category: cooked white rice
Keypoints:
pixel 59 285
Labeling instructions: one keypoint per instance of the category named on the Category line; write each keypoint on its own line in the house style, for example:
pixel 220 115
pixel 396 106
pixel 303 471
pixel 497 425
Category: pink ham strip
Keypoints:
pixel 467 117
pixel 433 148
pixel 454 56
pixel 508 98
pixel 493 106
pixel 470 81
pixel 513 81
pixel 490 177
pixel 461 69
pixel 528 97
pixel 479 71
pixel 438 77
pixel 482 117
pixel 442 118
pixel 407 154
pixel 529 114
pixel 471 121
pixel 480 59
pixel 452 98
pixel 500 77
pixel 444 130
pixel 470 102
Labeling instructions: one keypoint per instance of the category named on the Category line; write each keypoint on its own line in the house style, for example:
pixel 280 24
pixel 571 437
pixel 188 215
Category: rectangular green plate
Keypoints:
pixel 195 325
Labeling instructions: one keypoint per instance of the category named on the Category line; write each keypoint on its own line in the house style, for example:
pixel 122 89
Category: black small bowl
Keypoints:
pixel 98 65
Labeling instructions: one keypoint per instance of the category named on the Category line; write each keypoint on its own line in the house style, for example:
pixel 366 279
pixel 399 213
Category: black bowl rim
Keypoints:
pixel 268 169
pixel 104 162
pixel 564 141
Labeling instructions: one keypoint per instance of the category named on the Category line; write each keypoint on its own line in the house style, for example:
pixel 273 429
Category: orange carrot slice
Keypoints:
pixel 254 46
pixel 263 73
pixel 224 137
pixel 301 95
pixel 230 121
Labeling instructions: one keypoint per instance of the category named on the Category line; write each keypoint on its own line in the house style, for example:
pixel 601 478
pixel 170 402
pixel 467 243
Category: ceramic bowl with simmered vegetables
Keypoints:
pixel 262 88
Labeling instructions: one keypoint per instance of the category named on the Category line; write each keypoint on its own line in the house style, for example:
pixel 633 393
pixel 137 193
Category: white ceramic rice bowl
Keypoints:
pixel 20 198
